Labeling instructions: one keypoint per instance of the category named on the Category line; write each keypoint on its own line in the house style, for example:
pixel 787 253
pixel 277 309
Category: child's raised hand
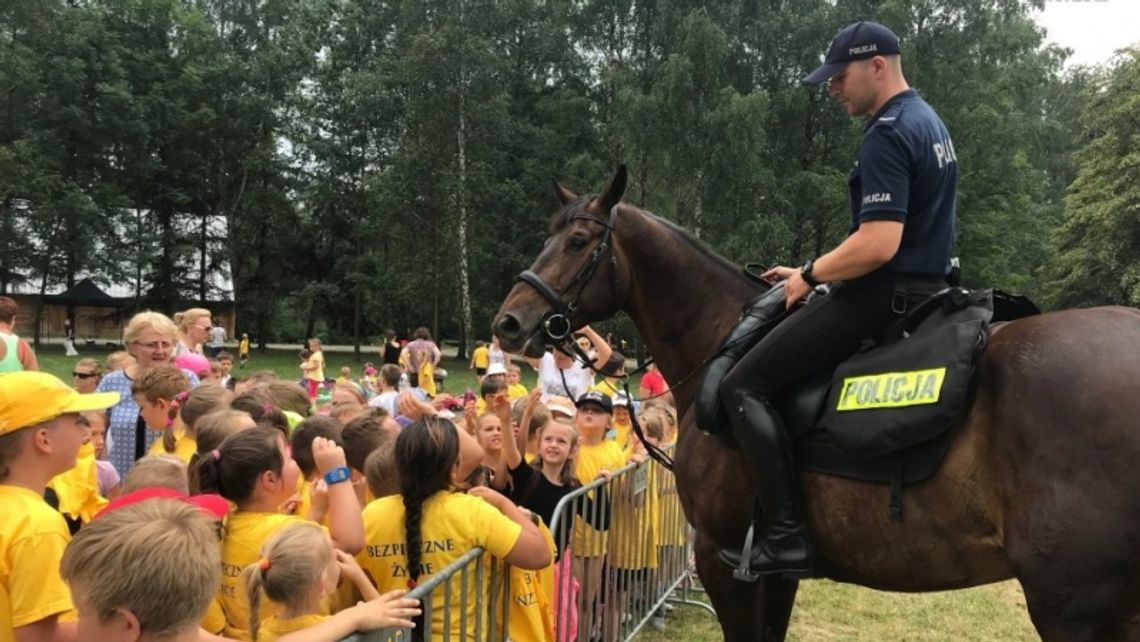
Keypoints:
pixel 390 609
pixel 348 566
pixel 318 500
pixel 490 496
pixel 327 455
pixel 289 506
pixel 534 397
pixel 502 406
pixel 411 407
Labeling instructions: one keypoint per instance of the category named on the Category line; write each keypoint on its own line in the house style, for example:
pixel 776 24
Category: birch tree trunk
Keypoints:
pixel 461 197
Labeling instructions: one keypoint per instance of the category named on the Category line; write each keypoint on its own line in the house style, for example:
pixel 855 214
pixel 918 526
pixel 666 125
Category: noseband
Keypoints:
pixel 556 324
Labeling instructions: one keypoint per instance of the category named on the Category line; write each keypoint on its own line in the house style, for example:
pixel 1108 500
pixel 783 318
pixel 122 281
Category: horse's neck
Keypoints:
pixel 682 301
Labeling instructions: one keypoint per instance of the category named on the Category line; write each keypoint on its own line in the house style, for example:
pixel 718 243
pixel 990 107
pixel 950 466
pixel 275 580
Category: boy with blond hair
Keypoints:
pixel 40 438
pixel 167 566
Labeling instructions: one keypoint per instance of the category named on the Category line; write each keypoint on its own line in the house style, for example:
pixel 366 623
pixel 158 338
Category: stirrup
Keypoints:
pixel 744 572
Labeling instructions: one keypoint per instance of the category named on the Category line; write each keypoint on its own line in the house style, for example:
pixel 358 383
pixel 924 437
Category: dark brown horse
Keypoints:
pixel 1042 481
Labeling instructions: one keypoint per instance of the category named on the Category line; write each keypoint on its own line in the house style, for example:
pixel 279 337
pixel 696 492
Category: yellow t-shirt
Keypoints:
pixel 184 447
pixel 317 366
pixel 530 615
pixel 607 455
pixel 32 540
pixel 452 524
pixel 636 523
pixel 246 533
pixel 606 388
pixel 481 357
pixel 214 621
pixel 78 488
pixel 622 432
pixel 274 627
pixel 516 391
pixel 243 347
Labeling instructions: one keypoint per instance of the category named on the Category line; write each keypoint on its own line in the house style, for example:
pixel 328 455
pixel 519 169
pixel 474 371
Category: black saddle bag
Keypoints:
pixel 915 385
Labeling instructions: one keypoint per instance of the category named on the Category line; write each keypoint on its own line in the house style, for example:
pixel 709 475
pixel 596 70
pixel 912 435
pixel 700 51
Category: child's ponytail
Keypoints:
pixel 254 578
pixel 426 452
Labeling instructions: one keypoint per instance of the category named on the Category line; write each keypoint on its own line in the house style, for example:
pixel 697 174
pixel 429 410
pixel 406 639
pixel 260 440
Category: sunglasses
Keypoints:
pixel 84 375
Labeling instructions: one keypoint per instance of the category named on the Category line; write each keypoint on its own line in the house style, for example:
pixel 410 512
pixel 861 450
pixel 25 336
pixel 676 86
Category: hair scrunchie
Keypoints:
pixel 217 454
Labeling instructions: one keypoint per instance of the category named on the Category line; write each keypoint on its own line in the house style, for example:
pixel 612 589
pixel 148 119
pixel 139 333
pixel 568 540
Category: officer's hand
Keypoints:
pixel 778 273
pixel 795 288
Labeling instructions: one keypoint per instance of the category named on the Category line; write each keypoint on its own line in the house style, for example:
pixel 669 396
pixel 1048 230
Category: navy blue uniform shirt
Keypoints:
pixel 907 172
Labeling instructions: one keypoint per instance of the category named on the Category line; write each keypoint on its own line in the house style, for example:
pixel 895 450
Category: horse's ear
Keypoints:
pixel 565 196
pixel 615 190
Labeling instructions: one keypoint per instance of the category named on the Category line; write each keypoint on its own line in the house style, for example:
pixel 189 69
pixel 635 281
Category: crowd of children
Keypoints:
pixel 260 515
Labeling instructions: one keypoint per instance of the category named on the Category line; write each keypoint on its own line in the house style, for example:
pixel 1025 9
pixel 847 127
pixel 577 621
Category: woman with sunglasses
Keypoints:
pixel 193 328
pixel 85 375
pixel 149 337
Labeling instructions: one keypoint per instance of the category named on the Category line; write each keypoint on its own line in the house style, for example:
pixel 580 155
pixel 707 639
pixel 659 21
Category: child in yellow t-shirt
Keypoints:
pixel 301 441
pixel 299 568
pixel 623 427
pixel 596 456
pixel 170 547
pixel 243 349
pixel 40 438
pixel 515 390
pixel 253 469
pixel 158 393
pixel 414 535
pixel 480 359
pixel 184 412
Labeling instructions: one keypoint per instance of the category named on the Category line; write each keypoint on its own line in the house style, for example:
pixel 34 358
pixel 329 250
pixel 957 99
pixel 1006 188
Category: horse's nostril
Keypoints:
pixel 508 326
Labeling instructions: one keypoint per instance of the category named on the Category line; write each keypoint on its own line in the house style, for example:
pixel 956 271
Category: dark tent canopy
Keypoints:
pixel 85 293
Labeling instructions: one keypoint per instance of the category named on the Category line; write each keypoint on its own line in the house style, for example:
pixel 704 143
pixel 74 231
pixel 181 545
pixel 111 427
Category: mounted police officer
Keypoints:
pixel 902 190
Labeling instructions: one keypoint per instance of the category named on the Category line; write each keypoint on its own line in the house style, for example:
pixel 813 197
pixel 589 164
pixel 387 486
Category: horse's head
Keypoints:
pixel 575 278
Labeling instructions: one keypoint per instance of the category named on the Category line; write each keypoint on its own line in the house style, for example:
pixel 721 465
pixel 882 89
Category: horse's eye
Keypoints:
pixel 578 242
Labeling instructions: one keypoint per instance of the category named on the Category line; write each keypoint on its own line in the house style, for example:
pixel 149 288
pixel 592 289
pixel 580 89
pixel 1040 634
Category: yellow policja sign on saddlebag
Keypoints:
pixel 892 389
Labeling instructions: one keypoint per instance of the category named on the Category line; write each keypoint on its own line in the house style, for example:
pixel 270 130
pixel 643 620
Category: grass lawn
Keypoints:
pixel 825 611
pixel 830 612
pixel 285 363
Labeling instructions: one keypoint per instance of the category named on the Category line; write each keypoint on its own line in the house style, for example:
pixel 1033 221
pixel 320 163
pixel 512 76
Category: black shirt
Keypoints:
pixel 533 491
pixel 908 172
pixel 391 353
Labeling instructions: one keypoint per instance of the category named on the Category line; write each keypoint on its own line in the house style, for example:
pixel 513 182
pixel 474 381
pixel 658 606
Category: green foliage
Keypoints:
pixel 1097 245
pixel 358 165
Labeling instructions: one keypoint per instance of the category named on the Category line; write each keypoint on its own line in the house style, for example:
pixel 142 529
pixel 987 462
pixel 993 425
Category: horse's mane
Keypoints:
pixel 562 217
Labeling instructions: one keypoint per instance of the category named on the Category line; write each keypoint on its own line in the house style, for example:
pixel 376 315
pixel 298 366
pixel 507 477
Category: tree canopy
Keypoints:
pixel 357 165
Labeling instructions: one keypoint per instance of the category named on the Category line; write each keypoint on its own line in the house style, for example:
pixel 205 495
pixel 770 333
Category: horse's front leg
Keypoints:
pixel 748 612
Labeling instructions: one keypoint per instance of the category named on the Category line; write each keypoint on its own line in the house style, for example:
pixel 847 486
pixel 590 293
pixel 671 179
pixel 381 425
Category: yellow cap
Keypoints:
pixel 29 398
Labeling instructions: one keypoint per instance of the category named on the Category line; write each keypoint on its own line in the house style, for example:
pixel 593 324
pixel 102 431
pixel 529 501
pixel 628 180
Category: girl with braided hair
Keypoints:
pixel 414 535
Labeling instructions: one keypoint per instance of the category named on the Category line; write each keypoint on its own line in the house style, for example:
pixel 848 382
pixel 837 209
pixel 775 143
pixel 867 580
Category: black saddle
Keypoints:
pixel 804 410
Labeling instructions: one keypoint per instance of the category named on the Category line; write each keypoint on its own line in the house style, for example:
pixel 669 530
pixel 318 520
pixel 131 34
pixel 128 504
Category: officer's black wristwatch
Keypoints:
pixel 808 277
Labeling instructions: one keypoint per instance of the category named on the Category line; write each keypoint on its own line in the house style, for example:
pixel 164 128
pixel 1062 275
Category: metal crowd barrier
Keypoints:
pixel 452 587
pixel 625 554
pixel 630 548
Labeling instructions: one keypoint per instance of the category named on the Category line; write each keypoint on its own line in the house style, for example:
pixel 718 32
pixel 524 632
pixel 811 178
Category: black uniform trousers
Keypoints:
pixel 820 335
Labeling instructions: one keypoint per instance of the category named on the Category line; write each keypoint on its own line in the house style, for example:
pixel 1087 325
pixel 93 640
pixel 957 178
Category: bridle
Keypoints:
pixel 556 324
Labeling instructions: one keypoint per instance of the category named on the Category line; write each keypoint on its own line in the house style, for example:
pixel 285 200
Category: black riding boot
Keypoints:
pixel 768 451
